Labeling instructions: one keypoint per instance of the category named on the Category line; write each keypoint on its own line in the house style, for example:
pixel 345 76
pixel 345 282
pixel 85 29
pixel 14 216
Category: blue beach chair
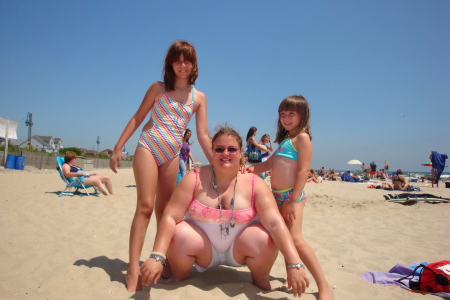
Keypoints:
pixel 73 182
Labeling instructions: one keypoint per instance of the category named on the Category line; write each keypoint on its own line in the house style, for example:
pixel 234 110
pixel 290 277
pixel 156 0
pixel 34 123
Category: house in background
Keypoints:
pixel 87 152
pixel 108 152
pixel 93 153
pixel 44 143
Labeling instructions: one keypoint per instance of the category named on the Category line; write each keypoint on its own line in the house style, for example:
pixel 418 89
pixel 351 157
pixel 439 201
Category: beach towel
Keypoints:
pixel 411 198
pixel 398 272
pixel 438 163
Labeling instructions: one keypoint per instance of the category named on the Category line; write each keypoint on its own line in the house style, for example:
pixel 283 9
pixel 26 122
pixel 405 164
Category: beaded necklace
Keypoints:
pixel 224 228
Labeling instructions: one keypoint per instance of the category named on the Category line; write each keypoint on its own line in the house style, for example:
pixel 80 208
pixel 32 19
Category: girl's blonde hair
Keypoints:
pixel 173 55
pixel 263 137
pixel 300 105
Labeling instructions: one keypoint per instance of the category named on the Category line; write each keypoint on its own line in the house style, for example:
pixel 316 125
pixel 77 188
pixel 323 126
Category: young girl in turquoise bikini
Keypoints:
pixel 290 168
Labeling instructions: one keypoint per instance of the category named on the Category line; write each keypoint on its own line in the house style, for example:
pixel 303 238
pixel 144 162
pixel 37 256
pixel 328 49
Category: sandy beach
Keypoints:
pixel 77 247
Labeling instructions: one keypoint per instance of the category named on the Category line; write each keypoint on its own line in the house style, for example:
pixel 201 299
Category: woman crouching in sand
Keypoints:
pixel 218 216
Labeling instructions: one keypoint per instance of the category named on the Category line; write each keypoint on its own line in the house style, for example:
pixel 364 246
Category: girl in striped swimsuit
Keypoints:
pixel 171 104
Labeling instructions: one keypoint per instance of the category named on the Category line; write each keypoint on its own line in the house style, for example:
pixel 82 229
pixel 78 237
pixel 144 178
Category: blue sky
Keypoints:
pixel 376 73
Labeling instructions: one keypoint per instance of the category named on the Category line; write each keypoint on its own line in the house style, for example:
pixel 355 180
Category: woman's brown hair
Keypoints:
pixel 69 156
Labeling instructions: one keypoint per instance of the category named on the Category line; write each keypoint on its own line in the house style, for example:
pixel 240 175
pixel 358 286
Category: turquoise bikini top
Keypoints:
pixel 288 150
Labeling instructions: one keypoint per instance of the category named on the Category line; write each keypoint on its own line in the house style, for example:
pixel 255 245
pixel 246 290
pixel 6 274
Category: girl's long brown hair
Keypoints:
pixel 300 105
pixel 173 55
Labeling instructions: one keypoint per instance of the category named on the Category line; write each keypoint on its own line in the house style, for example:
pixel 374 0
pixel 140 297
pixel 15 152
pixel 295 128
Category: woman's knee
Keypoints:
pixel 187 240
pixel 178 239
pixel 255 240
pixel 267 244
pixel 182 235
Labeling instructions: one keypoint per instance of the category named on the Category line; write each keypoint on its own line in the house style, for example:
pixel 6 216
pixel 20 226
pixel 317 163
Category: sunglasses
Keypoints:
pixel 231 150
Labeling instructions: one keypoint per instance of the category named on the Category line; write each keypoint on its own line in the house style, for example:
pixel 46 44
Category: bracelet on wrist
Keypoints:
pixel 296 266
pixel 158 257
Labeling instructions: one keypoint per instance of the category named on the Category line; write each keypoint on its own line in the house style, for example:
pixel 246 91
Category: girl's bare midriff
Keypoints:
pixel 283 172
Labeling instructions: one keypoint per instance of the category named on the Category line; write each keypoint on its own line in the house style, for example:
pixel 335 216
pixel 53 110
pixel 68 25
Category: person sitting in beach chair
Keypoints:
pixel 399 182
pixel 69 170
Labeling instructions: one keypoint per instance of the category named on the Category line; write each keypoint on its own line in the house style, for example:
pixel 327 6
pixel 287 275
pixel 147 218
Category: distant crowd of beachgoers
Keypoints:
pixel 365 175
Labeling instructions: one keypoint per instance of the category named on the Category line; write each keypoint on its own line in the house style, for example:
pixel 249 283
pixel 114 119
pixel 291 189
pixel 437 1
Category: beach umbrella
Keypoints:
pixel 428 164
pixel 354 162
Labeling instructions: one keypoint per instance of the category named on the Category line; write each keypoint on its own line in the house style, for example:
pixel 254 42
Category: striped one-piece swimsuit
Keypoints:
pixel 170 119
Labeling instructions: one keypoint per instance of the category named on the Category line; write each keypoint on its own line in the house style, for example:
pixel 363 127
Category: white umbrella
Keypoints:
pixel 354 162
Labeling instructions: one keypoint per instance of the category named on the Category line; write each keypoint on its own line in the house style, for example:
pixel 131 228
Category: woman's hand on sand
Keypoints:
pixel 115 161
pixel 151 270
pixel 297 280
pixel 288 211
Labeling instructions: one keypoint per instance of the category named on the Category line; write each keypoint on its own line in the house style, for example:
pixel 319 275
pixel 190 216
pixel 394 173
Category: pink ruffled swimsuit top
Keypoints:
pixel 208 219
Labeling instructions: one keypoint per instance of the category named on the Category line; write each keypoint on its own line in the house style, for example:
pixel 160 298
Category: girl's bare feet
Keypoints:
pixel 263 284
pixel 132 281
pixel 325 293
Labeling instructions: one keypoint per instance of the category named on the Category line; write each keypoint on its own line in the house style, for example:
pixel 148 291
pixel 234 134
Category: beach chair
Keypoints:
pixel 73 182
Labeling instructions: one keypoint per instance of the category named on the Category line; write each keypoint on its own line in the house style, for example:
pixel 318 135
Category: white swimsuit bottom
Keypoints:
pixel 222 246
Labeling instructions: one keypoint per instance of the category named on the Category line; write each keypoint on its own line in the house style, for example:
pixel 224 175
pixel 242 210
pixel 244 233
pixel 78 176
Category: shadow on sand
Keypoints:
pixel 230 281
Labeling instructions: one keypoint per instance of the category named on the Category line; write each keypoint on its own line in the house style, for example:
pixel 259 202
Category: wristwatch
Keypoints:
pixel 296 266
pixel 159 258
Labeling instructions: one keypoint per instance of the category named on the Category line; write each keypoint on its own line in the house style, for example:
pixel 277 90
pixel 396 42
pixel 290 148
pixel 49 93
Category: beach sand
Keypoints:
pixel 77 247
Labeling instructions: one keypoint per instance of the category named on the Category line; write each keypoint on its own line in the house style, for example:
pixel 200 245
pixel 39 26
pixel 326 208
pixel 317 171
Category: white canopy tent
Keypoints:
pixel 8 130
